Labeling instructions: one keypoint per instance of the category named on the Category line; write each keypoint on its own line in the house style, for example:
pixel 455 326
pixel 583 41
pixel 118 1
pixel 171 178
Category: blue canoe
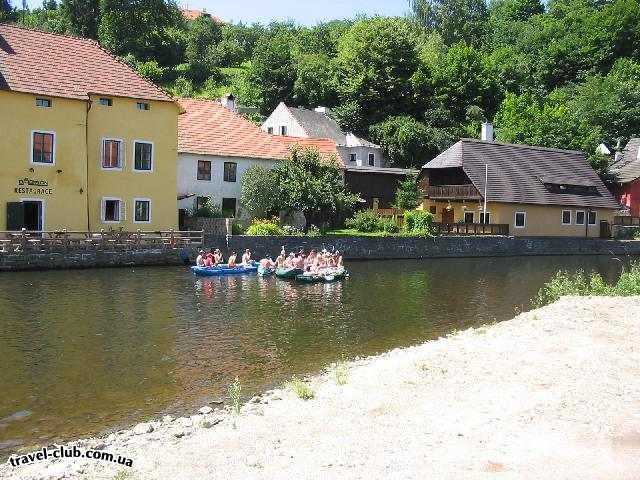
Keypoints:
pixel 222 270
pixel 265 272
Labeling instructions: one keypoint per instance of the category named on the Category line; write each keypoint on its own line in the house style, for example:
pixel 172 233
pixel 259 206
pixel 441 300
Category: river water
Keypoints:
pixel 83 352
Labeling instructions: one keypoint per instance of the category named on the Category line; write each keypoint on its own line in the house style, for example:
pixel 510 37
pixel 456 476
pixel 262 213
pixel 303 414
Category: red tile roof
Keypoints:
pixel 194 14
pixel 208 128
pixel 325 146
pixel 55 65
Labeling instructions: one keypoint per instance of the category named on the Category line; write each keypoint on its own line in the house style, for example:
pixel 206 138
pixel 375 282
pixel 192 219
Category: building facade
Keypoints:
pixel 302 123
pixel 76 159
pixel 216 148
pixel 624 176
pixel 535 191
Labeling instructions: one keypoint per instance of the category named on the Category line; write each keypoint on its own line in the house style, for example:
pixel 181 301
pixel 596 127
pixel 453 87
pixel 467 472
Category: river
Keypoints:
pixel 84 352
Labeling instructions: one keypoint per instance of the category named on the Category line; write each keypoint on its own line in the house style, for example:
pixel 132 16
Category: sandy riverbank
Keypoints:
pixel 553 393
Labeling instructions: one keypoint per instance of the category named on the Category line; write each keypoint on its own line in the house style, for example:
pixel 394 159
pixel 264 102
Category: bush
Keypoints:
pixel 418 222
pixel 366 221
pixel 388 225
pixel 263 228
pixel 564 284
pixel 313 231
pixel 207 210
pixel 237 229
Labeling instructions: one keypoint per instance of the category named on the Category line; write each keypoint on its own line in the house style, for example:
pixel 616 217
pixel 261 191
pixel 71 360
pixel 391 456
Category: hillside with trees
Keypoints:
pixel 564 74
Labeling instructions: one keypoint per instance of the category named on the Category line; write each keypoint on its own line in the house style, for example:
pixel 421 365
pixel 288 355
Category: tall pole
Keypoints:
pixel 486 181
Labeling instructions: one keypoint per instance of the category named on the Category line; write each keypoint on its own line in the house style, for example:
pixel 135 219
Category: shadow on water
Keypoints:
pixel 86 351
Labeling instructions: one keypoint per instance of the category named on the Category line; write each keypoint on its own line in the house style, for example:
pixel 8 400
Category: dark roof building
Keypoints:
pixel 625 178
pixel 520 189
pixel 526 174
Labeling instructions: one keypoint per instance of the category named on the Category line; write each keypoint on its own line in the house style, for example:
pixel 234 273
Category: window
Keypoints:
pixel 566 217
pixel 142 106
pixel 270 130
pixel 204 170
pixel 468 217
pixel 592 217
pixel 283 130
pixel 521 220
pixel 353 157
pixel 485 218
pixel 112 154
pixel 230 171
pixel 43 102
pixel 433 209
pixel 142 210
pixel 111 210
pixel 580 218
pixel 202 202
pixel 143 156
pixel 105 102
pixel 43 147
pixel 229 207
pixel 372 159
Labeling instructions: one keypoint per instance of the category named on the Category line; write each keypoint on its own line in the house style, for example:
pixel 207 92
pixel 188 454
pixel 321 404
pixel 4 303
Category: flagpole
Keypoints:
pixel 486 181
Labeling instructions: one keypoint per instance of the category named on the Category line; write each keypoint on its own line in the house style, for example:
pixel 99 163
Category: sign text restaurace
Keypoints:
pixel 29 186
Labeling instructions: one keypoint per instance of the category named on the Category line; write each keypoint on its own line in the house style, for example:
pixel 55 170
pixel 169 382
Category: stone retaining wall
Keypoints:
pixel 96 259
pixel 356 248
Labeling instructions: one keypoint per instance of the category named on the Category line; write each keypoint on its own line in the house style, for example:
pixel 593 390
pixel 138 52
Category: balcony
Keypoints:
pixel 453 192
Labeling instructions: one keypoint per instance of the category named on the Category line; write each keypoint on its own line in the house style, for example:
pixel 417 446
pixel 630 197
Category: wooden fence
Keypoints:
pixel 627 221
pixel 472 228
pixel 63 241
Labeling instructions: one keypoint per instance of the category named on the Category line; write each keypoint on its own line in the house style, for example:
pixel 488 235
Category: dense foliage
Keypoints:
pixel 303 183
pixel 418 223
pixel 579 284
pixel 368 221
pixel 407 194
pixel 563 73
pixel 264 228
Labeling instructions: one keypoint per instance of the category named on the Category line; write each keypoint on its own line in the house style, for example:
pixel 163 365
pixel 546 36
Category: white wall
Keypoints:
pixel 281 116
pixel 362 156
pixel 217 188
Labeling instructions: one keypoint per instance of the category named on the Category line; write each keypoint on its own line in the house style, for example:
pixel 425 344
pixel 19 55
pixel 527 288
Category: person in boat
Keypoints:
pixel 288 263
pixel 298 262
pixel 310 260
pixel 217 257
pixel 246 258
pixel 209 259
pixel 267 263
pixel 200 259
pixel 232 260
pixel 339 259
pixel 280 260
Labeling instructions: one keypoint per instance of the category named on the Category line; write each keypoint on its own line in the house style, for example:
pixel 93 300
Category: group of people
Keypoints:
pixel 315 262
pixel 214 257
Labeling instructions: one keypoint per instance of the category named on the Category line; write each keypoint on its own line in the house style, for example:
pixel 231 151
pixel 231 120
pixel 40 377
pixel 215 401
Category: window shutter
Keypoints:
pixel 102 210
pixel 123 211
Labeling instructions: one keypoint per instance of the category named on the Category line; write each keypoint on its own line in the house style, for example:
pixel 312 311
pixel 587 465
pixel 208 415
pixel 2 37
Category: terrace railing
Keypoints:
pixel 472 229
pixel 453 192
pixel 68 241
pixel 627 221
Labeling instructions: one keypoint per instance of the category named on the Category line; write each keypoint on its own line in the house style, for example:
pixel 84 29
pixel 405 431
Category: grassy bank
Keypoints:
pixel 584 285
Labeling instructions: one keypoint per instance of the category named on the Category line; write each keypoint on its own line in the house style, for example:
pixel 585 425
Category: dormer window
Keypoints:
pixel 143 106
pixel 43 102
pixel 106 102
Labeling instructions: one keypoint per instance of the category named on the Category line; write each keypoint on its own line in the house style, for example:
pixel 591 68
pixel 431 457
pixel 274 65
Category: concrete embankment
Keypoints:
pixel 553 393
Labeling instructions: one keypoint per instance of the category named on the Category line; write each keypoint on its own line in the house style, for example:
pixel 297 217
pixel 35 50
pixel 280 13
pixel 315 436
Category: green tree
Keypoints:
pixel 409 143
pixel 272 70
pixel 257 192
pixel 311 185
pixel 407 194
pixel 456 20
pixel 83 16
pixel 6 10
pixel 375 61
pixel 314 81
pixel 142 28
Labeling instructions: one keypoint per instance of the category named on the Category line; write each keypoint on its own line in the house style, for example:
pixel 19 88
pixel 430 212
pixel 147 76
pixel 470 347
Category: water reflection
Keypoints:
pixel 88 350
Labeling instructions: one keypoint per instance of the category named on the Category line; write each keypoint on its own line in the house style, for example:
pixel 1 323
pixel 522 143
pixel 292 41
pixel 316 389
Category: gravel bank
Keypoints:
pixel 553 393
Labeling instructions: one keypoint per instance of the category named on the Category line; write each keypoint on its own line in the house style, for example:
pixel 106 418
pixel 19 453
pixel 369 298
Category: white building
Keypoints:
pixel 302 123
pixel 216 146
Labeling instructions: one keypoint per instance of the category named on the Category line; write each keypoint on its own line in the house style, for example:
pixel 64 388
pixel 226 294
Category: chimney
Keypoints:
pixel 323 110
pixel 487 132
pixel 229 101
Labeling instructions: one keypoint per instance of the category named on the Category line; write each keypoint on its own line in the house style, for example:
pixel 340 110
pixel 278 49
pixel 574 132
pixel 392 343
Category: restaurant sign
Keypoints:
pixel 29 186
